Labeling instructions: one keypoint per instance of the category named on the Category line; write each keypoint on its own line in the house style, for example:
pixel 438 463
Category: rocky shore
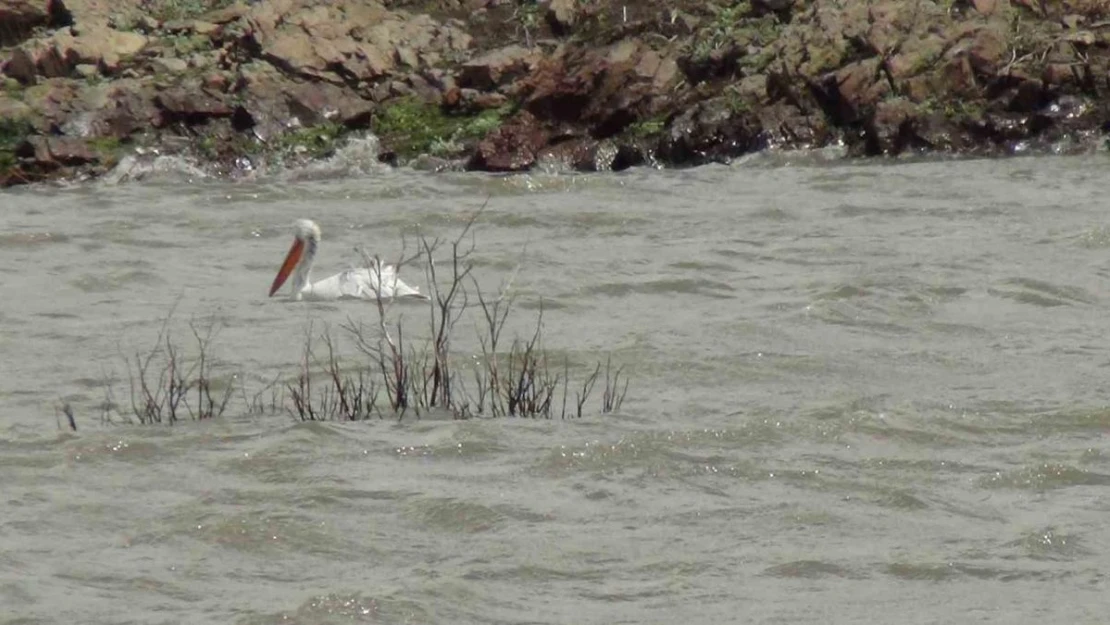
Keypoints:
pixel 504 85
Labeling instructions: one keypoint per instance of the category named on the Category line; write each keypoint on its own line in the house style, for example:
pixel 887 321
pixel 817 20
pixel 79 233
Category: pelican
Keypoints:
pixel 355 283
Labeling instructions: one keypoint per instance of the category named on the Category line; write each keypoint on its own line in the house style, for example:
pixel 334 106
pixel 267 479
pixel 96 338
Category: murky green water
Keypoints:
pixel 860 393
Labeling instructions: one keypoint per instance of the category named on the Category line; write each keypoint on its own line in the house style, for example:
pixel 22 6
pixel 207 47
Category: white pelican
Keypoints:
pixel 355 283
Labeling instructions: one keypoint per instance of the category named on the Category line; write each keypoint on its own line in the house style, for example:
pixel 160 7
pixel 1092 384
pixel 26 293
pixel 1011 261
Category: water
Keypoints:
pixel 861 392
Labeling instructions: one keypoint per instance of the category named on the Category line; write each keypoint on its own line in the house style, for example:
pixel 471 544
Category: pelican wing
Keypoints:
pixel 362 283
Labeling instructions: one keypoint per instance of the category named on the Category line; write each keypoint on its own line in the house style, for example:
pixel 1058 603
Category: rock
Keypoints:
pixel 511 147
pixel 605 89
pixel 989 50
pixel 60 54
pixel 578 153
pixel 20 66
pixel 190 104
pixel 55 152
pixel 169 65
pixel 315 104
pixel 273 103
pixel 891 129
pixel 773 6
pixel 118 109
pixel 10 108
pixel 991 7
pixel 561 16
pixel 497 67
pixel 348 41
pixel 21 17
pixel 486 101
pixel 785 125
pixel 709 131
pixel 587 154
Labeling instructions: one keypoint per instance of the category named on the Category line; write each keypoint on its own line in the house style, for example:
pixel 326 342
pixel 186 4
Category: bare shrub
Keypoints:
pixel 167 383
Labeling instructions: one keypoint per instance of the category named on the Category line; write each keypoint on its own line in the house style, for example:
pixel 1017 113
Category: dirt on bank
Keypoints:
pixel 504 85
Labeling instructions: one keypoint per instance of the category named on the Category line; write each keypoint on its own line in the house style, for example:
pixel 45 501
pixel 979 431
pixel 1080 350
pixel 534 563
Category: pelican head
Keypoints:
pixel 306 230
pixel 306 235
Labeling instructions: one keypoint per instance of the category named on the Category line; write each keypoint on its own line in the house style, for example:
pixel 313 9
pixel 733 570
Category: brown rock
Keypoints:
pixel 451 98
pixel 562 15
pixel 348 40
pixel 890 129
pixel 512 147
pixel 54 152
pixel 20 66
pixel 606 89
pixel 20 17
pixel 59 54
pixel 578 153
pixel 860 86
pixel 710 131
pixel 190 104
pixel 1058 74
pixel 318 103
pixel 53 101
pixel 10 108
pixel 989 50
pixel 991 7
pixel 497 67
pixel 485 101
pixel 786 126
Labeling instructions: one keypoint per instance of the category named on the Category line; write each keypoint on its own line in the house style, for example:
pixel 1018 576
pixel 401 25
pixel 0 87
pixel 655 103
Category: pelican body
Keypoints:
pixel 368 283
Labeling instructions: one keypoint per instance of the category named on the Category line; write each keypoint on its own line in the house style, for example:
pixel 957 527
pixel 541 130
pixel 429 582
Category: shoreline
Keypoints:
pixel 500 86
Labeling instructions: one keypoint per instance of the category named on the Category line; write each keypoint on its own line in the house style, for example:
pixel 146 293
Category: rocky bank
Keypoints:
pixel 504 85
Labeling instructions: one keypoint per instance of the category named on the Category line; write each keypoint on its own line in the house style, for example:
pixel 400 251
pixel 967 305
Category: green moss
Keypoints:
pixel 184 45
pixel 411 127
pixel 166 10
pixel 13 132
pixel 647 127
pixel 315 142
pixel 11 88
pixel 956 110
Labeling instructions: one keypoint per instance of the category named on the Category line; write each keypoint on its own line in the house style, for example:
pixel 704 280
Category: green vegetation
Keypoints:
pixel 11 88
pixel 166 10
pixel 413 127
pixel 647 127
pixel 734 25
pixel 185 45
pixel 221 144
pixel 956 110
pixel 13 132
pixel 108 149
pixel 316 141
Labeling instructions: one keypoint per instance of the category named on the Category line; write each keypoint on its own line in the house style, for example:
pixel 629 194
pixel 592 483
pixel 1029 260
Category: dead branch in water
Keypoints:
pixel 161 379
pixel 611 397
pixel 344 396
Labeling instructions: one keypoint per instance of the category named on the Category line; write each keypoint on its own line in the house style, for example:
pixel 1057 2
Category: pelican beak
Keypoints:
pixel 291 260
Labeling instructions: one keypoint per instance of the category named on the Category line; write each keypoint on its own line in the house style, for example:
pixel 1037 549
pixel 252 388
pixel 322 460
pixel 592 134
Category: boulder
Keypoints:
pixel 348 41
pixel 605 89
pixel 19 18
pixel 273 103
pixel 191 104
pixel 561 16
pixel 710 131
pixel 55 152
pixel 59 54
pixel 497 67
pixel 511 147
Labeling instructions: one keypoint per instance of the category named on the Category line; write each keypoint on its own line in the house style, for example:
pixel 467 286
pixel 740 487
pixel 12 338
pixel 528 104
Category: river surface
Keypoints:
pixel 860 392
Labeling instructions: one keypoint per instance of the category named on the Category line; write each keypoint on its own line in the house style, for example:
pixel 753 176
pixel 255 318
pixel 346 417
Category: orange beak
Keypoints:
pixel 291 260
